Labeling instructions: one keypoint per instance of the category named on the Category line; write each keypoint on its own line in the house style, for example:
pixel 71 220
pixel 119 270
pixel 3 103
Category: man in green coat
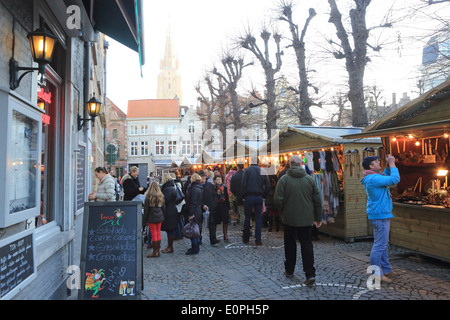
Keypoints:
pixel 298 200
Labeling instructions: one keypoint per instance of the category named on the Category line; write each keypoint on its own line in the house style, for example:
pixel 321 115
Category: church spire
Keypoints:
pixel 169 79
pixel 169 61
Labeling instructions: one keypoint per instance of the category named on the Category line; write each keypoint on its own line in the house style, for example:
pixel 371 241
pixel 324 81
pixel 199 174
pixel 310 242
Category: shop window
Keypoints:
pixel 52 133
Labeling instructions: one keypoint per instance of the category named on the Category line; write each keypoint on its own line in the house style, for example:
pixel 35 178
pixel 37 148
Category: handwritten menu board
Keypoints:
pixel 111 257
pixel 17 265
pixel 80 179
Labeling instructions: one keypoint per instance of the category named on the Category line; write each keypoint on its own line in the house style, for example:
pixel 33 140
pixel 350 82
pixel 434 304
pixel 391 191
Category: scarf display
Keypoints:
pixel 326 165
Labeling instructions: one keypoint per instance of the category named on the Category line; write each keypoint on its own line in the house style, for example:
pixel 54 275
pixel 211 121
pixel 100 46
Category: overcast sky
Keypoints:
pixel 203 28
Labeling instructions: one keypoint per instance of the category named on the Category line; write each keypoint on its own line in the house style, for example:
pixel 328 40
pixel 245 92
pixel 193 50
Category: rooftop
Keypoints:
pixel 153 108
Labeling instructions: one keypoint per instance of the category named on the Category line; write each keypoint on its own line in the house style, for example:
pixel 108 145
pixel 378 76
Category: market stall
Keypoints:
pixel 417 134
pixel 335 163
pixel 240 150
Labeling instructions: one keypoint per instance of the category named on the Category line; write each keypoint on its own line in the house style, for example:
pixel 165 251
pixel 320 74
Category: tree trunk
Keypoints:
pixel 355 60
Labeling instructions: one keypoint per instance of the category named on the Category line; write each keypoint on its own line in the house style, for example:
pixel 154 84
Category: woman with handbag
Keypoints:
pixel 154 207
pixel 170 223
pixel 194 199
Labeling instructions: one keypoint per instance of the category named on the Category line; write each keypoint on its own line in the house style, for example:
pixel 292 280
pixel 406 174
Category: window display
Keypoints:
pixel 23 163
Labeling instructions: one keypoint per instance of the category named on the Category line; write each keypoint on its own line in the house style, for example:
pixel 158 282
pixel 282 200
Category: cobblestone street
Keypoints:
pixel 236 271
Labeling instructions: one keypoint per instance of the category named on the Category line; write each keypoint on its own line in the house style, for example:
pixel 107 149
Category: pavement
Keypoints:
pixel 233 270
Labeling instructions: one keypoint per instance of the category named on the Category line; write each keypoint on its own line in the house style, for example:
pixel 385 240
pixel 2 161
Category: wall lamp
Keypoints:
pixel 42 44
pixel 93 109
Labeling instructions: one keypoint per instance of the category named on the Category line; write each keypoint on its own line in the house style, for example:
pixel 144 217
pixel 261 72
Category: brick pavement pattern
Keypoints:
pixel 234 271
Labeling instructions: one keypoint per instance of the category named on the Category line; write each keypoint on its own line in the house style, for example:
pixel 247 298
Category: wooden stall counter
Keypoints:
pixel 425 229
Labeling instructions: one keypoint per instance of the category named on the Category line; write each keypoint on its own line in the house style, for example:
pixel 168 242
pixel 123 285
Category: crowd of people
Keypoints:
pixel 289 198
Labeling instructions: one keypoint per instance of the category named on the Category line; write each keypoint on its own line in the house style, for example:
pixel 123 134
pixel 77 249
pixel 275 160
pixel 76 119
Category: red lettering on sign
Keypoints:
pixel 45 96
pixel 46 119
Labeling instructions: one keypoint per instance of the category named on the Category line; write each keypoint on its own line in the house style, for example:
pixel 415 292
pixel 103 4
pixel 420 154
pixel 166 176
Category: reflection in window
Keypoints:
pixel 22 175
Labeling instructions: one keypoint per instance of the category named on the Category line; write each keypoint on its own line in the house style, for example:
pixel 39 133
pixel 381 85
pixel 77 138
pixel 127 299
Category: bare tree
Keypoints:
pixel 208 105
pixel 356 59
pixel 218 104
pixel 342 117
pixel 233 67
pixel 248 42
pixel 298 43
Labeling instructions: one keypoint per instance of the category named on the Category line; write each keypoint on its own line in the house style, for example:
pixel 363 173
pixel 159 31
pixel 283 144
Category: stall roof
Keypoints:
pixel 187 161
pixel 292 138
pixel 429 112
pixel 210 157
pixel 244 146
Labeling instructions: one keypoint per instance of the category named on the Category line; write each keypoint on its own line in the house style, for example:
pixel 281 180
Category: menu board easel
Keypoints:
pixel 111 254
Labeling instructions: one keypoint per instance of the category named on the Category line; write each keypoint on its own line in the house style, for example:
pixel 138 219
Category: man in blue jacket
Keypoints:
pixel 379 210
pixel 255 186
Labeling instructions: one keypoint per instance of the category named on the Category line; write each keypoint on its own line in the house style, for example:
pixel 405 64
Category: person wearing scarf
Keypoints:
pixel 379 211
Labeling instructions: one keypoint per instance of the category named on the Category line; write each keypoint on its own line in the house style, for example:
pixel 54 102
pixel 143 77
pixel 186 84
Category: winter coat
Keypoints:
pixel 106 189
pixel 254 183
pixel 222 212
pixel 269 200
pixel 297 198
pixel 194 201
pixel 153 214
pixel 379 203
pixel 171 213
pixel 236 186
pixel 209 197
pixel 131 187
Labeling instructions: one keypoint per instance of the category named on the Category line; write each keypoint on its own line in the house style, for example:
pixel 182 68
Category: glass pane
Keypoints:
pixel 23 166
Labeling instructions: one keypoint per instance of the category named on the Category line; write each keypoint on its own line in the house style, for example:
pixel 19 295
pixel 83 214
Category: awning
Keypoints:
pixel 121 20
pixel 296 138
pixel 241 148
pixel 163 163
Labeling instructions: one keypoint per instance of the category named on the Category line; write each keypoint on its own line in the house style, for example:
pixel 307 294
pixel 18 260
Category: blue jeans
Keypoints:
pixel 379 253
pixel 255 203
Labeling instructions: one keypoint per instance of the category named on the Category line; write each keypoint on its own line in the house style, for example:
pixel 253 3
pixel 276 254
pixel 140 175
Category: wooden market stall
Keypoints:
pixel 417 134
pixel 346 219
pixel 209 158
pixel 240 150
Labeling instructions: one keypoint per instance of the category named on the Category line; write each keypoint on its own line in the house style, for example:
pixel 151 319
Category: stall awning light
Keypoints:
pixel 442 173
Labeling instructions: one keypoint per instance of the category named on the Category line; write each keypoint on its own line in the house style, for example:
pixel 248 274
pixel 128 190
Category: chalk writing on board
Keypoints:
pixel 16 263
pixel 112 243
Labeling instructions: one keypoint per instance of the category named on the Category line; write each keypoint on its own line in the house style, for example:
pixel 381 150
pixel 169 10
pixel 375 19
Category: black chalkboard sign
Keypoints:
pixel 111 254
pixel 81 181
pixel 17 263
